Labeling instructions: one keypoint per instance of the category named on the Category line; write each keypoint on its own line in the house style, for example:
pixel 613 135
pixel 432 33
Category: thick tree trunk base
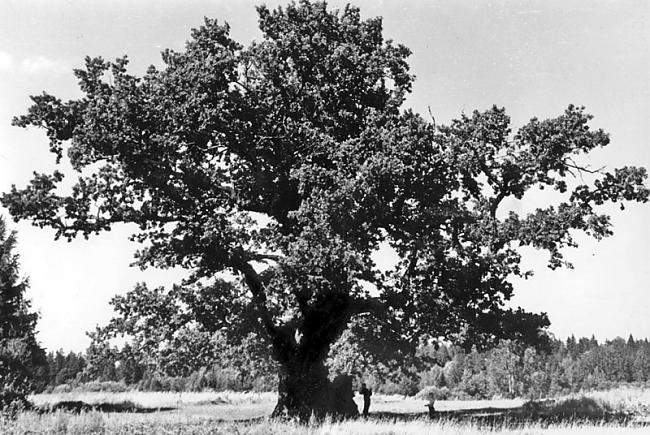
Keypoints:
pixel 318 398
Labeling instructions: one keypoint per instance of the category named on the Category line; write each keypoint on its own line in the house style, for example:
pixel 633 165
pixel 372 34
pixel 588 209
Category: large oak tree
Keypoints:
pixel 290 162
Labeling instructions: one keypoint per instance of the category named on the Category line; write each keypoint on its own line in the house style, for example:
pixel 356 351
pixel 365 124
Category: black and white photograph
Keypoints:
pixel 324 217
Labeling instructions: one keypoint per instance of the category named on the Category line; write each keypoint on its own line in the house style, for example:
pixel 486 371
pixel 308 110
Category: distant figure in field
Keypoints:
pixel 366 398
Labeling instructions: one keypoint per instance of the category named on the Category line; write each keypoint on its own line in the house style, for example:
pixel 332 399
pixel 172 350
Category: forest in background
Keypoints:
pixel 441 371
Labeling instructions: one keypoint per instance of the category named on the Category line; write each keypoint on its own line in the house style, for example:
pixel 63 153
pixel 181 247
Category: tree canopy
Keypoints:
pixel 291 162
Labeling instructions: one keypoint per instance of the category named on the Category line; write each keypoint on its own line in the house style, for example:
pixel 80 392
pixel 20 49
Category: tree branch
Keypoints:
pixel 255 256
pixel 278 336
pixel 366 305
pixel 572 164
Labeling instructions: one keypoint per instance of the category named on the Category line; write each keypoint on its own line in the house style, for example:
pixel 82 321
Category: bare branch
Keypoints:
pixel 572 164
pixel 433 119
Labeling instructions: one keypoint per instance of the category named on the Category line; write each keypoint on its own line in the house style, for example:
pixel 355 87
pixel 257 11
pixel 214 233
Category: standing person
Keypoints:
pixel 366 392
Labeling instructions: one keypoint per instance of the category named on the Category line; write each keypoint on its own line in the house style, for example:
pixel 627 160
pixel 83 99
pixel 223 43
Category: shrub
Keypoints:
pixel 580 408
pixel 476 386
pixel 91 387
pixel 404 387
pixel 432 393
pixel 61 389
pixel 103 386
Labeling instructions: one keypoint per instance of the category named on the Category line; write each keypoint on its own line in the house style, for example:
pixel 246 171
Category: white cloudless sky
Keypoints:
pixel 532 57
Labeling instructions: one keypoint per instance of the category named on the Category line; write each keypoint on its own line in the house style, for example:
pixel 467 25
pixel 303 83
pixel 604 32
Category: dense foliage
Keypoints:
pixel 289 163
pixel 512 370
pixel 21 358
pixel 62 369
pixel 507 370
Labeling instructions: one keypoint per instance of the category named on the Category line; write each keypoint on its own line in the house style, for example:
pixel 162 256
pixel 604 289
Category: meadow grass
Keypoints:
pixel 263 400
pixel 110 424
pixel 246 413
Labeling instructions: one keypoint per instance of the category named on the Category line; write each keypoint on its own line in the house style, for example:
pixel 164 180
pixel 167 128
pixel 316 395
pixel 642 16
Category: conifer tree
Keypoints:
pixel 21 357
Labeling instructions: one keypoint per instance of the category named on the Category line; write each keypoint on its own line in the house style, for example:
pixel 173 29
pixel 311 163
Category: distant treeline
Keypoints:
pixel 507 370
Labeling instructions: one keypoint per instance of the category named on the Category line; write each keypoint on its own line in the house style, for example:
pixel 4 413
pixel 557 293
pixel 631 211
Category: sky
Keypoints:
pixel 532 57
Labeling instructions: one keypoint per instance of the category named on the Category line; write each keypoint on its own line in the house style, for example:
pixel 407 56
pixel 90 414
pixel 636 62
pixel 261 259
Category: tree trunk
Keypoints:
pixel 305 390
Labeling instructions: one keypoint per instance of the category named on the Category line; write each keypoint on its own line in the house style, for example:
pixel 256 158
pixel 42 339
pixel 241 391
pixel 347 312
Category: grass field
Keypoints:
pixel 246 413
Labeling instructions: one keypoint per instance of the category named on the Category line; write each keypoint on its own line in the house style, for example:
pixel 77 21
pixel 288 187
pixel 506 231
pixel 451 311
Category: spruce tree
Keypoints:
pixel 21 357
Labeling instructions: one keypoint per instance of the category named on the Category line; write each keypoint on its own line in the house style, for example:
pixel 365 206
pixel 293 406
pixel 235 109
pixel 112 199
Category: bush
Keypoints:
pixel 213 379
pixel 432 394
pixel 12 404
pixel 476 386
pixel 432 377
pixel 265 383
pixel 91 387
pixel 580 408
pixel 61 389
pixel 104 386
pixel 404 387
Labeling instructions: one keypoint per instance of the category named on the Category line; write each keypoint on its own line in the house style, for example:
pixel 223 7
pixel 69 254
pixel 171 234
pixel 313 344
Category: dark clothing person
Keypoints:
pixel 366 398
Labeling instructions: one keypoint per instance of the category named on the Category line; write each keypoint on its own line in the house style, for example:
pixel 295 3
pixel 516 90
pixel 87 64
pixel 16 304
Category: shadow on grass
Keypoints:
pixel 544 413
pixel 77 406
